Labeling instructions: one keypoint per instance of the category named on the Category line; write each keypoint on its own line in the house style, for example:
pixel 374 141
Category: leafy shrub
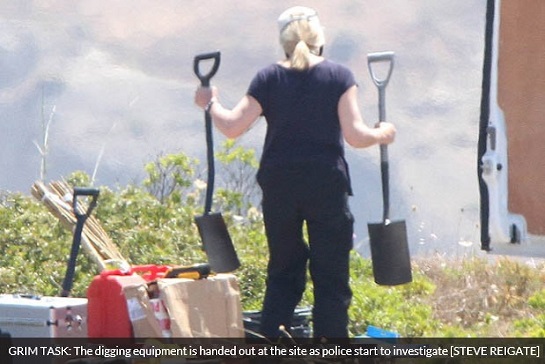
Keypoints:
pixel 154 223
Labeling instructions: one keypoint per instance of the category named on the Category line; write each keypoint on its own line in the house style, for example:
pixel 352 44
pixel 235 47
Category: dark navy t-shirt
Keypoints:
pixel 301 110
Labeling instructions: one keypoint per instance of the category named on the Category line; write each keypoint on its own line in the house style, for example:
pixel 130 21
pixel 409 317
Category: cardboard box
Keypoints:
pixel 141 312
pixel 161 314
pixel 203 308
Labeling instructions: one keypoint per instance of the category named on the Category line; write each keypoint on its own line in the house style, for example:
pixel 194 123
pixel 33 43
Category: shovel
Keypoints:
pixel 212 228
pixel 81 217
pixel 388 239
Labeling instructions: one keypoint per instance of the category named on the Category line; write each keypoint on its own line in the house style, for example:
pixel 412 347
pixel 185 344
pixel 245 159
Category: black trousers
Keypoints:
pixel 317 195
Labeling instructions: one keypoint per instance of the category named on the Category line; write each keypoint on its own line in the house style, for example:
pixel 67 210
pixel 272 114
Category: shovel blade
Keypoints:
pixel 390 253
pixel 217 243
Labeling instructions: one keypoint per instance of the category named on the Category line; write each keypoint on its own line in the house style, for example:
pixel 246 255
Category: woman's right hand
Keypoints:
pixel 203 95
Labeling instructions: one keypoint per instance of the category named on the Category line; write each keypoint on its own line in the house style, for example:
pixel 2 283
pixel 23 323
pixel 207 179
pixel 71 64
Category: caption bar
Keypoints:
pixel 281 351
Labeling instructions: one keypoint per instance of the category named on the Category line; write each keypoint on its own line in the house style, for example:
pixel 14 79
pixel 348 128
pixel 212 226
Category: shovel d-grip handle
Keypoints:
pixel 88 192
pixel 205 78
pixel 205 82
pixel 381 84
pixel 81 217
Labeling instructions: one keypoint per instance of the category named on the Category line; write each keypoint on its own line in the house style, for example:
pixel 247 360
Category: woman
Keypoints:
pixel 310 105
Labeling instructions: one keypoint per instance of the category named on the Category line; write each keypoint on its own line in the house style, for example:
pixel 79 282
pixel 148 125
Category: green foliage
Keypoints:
pixel 31 241
pixel 79 179
pixel 153 223
pixel 170 176
pixel 399 309
pixel 481 297
pixel 239 190
pixel 535 325
pixel 537 301
pixel 148 231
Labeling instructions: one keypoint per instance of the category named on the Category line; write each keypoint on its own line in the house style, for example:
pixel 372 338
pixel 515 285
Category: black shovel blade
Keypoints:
pixel 217 243
pixel 390 253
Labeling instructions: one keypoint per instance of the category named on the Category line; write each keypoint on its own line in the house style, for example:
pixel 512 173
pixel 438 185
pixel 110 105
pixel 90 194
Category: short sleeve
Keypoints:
pixel 346 79
pixel 258 88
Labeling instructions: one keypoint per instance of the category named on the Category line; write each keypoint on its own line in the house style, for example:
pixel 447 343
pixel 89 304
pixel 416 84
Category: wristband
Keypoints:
pixel 209 105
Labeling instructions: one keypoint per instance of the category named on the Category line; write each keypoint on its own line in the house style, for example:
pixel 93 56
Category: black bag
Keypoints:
pixel 300 324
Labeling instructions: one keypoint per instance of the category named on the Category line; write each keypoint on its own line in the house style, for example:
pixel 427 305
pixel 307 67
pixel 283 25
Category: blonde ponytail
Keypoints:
pixel 300 58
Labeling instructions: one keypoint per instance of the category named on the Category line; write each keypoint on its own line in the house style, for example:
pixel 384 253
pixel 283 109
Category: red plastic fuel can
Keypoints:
pixel 107 311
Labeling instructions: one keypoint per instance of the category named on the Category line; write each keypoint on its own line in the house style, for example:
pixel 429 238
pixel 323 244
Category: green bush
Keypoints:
pixel 399 308
pixel 153 223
